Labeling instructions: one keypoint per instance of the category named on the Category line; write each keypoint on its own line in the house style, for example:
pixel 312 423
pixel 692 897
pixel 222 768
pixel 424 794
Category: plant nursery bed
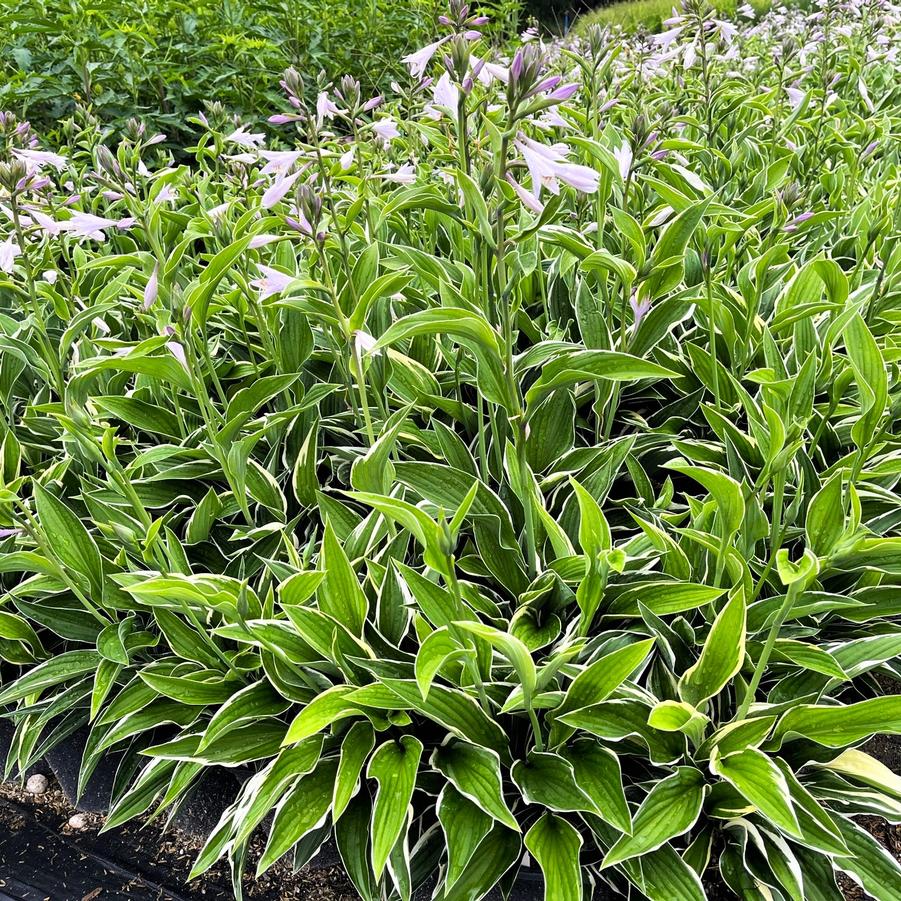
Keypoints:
pixel 45 858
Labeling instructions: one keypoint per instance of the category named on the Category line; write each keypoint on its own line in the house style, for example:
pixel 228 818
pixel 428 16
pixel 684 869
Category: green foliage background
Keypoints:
pixel 161 59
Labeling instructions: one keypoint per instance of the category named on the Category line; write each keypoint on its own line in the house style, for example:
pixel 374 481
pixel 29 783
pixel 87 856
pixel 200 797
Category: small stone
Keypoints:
pixel 78 822
pixel 36 784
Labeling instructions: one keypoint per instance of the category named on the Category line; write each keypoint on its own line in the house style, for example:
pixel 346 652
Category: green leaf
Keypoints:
pixel 340 595
pixel 326 708
pixel 61 668
pixel 437 648
pixel 759 780
pixel 600 679
pixel 304 808
pixel 721 657
pixel 70 540
pixel 870 864
pixel 840 725
pixel 726 492
pixel 476 773
pixel 355 748
pixel 671 808
pixel 598 774
pixel 591 366
pixel 513 649
pixel 556 845
pixel 825 521
pixel 394 765
pixel 549 780
pixel 496 853
pixel 464 825
pixel 872 380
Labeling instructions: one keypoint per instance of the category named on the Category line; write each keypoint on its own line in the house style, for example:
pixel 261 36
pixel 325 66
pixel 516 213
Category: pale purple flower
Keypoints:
pixel 325 108
pixel 527 198
pixel 87 225
pixel 548 167
pixel 727 30
pixel 372 103
pixel 793 224
pixel 152 288
pixel 639 308
pixel 278 162
pixel 623 156
pixel 691 55
pixel 487 72
pixel 346 159
pixel 272 281
pixel 47 224
pixel 404 175
pixel 37 159
pixel 10 533
pixel 166 194
pixel 386 130
pixel 299 223
pixel 178 352
pixel 665 38
pixel 258 241
pixel 446 94
pixel 217 212
pixel 795 97
pixel 278 189
pixel 564 92
pixel 865 95
pixel 9 250
pixel 421 58
pixel 244 138
pixel 283 119
pixel 364 344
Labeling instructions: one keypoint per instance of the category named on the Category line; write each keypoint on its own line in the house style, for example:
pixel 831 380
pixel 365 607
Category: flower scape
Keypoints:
pixel 500 470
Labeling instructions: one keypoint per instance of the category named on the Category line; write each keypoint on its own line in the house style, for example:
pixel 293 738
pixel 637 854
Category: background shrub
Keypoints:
pixel 161 59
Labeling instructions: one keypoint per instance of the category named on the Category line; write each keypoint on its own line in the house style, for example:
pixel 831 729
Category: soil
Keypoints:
pixel 43 859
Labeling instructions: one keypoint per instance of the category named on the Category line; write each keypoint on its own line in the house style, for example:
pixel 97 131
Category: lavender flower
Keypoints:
pixel 272 281
pixel 548 167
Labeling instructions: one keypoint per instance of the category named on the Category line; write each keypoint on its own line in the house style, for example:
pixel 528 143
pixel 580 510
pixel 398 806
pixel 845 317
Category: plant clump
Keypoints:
pixel 505 466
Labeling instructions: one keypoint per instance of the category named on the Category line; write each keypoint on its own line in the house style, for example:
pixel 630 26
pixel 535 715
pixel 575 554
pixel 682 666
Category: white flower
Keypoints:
pixel 446 94
pixel 795 97
pixel 548 166
pixel 9 250
pixel 325 108
pixel 244 138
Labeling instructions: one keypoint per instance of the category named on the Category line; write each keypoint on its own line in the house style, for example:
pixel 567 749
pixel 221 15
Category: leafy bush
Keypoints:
pixel 510 467
pixel 163 58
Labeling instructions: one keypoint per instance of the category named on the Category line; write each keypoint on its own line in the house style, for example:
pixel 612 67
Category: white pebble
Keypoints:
pixel 78 821
pixel 36 785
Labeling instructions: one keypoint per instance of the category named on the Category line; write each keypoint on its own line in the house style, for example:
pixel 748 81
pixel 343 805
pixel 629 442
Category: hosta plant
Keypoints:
pixel 502 471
